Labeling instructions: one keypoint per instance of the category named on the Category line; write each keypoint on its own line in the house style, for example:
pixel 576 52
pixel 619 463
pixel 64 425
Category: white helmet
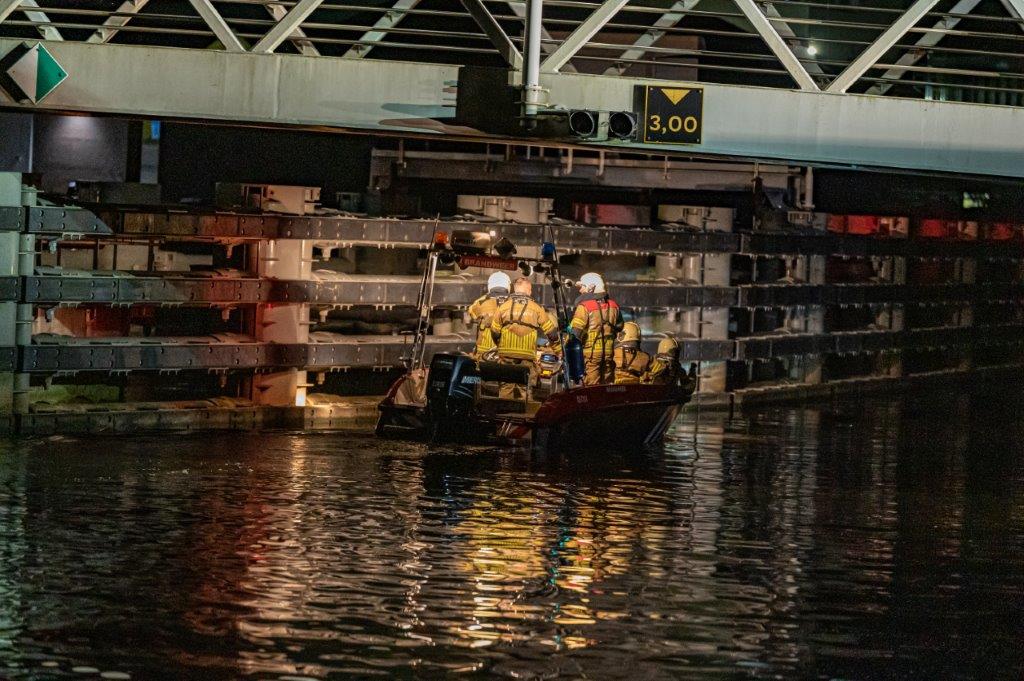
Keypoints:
pixel 592 280
pixel 499 280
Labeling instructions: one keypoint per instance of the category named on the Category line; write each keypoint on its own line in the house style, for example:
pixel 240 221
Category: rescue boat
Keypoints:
pixel 456 397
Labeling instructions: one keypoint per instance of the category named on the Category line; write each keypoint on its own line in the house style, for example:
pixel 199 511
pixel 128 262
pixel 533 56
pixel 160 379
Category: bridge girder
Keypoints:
pixel 739 121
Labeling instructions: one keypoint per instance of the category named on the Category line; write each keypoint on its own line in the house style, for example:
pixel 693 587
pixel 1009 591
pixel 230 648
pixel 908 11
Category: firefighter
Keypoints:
pixel 595 322
pixel 665 369
pixel 516 327
pixel 499 285
pixel 631 363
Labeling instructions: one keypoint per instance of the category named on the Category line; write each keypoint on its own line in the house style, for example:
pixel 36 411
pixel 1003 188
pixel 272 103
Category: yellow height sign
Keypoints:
pixel 672 115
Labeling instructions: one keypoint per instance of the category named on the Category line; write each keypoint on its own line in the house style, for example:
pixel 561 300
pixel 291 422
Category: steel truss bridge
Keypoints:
pixel 932 85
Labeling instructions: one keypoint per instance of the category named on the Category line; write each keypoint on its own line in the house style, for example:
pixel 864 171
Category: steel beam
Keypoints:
pixel 401 97
pixel 298 38
pixel 583 33
pixel 217 24
pixel 927 40
pixel 1016 9
pixel 48 32
pixel 490 26
pixel 777 45
pixel 787 32
pixel 391 18
pixel 882 44
pixel 546 47
pixel 110 27
pixel 286 26
pixel 652 35
pixel 7 7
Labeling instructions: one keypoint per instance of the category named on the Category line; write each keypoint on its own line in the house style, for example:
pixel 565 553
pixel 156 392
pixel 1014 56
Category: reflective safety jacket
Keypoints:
pixel 595 322
pixel 517 326
pixel 664 370
pixel 482 311
pixel 631 363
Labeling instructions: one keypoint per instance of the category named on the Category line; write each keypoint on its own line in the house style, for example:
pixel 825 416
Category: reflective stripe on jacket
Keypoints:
pixel 663 371
pixel 630 364
pixel 595 322
pixel 517 326
pixel 482 311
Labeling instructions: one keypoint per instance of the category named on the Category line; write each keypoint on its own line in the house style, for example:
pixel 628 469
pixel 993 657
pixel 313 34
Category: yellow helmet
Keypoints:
pixel 630 332
pixel 668 346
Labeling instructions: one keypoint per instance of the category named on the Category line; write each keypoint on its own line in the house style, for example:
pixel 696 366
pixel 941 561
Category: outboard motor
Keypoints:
pixel 451 384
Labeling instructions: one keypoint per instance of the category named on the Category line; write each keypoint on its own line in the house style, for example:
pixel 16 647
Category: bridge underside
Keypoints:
pixel 811 127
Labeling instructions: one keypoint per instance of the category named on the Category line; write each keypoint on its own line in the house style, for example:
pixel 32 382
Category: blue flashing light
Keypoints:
pixel 547 251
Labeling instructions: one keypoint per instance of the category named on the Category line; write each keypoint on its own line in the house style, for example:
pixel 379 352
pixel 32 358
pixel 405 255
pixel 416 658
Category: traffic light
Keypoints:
pixel 583 123
pixel 586 124
pixel 621 125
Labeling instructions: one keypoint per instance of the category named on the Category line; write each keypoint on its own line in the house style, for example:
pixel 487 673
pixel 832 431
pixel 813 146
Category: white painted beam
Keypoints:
pixel 583 33
pixel 298 38
pixel 546 46
pixel 787 32
pixel 852 73
pixel 930 39
pixel 110 27
pixel 112 24
pixel 777 45
pixel 48 32
pixel 774 124
pixel 490 26
pixel 217 24
pixel 652 35
pixel 380 28
pixel 286 26
pixel 1016 9
pixel 8 6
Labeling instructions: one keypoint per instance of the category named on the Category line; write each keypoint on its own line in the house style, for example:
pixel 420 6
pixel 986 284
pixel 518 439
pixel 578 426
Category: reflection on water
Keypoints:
pixel 865 541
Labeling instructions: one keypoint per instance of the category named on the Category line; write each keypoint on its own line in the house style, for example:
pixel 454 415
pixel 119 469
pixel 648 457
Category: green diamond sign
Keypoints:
pixel 36 73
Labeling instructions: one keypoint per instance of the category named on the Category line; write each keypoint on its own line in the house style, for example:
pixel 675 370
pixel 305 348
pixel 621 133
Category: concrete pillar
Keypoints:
pixel 816 269
pixel 286 259
pixel 16 259
pixel 711 269
pixel 814 323
pixel 698 217
pixel 899 270
pixel 521 209
pixel 714 323
pixel 712 377
pixel 287 323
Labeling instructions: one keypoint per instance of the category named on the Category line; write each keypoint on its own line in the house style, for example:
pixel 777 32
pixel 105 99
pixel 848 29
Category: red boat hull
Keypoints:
pixel 585 418
pixel 607 416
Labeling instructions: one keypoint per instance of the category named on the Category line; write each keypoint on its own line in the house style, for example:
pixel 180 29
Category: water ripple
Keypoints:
pixel 871 540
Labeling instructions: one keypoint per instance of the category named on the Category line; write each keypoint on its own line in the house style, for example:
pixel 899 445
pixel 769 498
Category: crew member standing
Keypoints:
pixel 482 311
pixel 516 327
pixel 665 369
pixel 595 322
pixel 631 363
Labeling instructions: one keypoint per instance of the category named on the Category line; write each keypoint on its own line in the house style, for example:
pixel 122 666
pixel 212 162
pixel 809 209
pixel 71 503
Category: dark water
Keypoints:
pixel 878 540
